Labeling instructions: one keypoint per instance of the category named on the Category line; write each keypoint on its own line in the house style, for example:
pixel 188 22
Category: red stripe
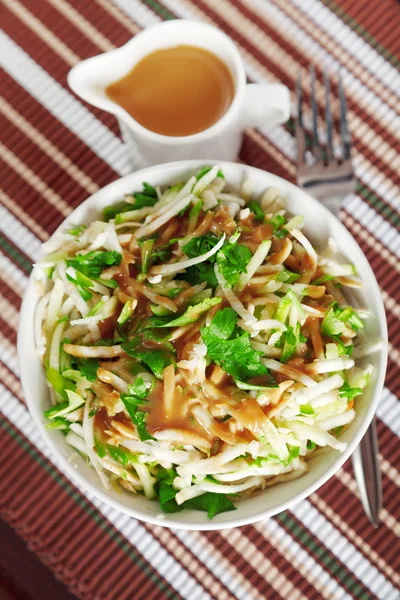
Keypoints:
pixel 9 293
pixel 251 154
pixel 376 19
pixel 8 331
pixel 61 27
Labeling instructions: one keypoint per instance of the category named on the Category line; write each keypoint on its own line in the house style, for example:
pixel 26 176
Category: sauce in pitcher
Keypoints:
pixel 176 91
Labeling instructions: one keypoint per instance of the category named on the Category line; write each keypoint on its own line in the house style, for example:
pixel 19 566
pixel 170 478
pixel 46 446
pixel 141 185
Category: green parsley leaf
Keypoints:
pixel 211 503
pixel 200 273
pixel 92 263
pixel 156 360
pixel 147 197
pixel 136 397
pixel 201 245
pixel 232 260
pixel 87 367
pixel 110 212
pixel 166 496
pixel 229 346
pixel 121 455
pixel 290 337
pixel 167 475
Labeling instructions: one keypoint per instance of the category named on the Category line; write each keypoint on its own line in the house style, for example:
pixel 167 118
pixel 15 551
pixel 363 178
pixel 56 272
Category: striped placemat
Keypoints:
pixel 55 151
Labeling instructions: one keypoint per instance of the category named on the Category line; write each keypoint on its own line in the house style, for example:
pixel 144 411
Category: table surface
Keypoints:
pixel 55 152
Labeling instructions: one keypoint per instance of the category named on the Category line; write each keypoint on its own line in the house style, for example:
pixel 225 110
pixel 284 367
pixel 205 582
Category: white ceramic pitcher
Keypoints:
pixel 253 104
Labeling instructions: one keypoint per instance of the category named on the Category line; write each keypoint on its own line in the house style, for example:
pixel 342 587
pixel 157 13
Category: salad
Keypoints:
pixel 196 346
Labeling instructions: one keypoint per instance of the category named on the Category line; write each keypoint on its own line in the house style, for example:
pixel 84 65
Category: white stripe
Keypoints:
pixel 273 531
pixel 19 234
pixel 374 222
pixel 351 42
pixel 389 411
pixel 21 67
pixel 9 356
pixel 355 562
pixel 212 563
pixel 132 530
pixel 15 278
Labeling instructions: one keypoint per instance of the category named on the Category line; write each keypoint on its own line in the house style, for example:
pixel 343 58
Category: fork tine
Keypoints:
pixel 300 135
pixel 328 118
pixel 344 131
pixel 315 144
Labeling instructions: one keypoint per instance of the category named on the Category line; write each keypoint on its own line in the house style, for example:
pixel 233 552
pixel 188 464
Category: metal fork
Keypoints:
pixel 329 178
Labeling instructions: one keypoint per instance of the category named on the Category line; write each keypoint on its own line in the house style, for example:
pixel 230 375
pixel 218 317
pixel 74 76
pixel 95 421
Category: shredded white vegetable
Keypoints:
pixel 184 264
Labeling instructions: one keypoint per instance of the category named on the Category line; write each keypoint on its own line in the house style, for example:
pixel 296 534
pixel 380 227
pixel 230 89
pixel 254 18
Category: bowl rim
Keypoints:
pixel 82 483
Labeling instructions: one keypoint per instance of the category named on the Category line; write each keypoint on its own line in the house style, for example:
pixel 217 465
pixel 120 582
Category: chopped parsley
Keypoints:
pixel 147 197
pixel 229 346
pixel 156 360
pixel 232 260
pixel 92 263
pixel 135 398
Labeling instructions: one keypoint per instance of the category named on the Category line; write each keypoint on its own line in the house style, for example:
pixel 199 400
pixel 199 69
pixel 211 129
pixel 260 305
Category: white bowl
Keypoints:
pixel 320 224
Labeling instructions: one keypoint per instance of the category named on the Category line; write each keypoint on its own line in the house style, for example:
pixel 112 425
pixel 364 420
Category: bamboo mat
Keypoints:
pixel 55 152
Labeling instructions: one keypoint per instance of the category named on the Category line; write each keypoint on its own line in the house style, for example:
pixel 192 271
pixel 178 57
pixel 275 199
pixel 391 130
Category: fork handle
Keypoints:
pixel 368 474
